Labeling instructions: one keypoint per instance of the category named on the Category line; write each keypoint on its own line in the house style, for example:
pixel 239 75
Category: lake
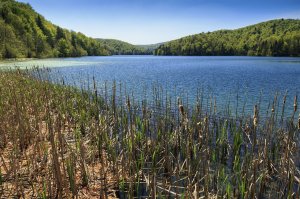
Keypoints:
pixel 231 80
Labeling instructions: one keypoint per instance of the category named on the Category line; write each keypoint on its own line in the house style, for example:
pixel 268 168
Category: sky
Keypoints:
pixel 155 21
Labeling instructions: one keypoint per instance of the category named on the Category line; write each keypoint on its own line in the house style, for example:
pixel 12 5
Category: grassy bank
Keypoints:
pixel 58 141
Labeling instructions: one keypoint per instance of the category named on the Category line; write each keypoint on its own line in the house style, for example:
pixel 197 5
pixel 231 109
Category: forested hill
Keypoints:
pixel 25 33
pixel 272 38
pixel 118 47
pixel 151 47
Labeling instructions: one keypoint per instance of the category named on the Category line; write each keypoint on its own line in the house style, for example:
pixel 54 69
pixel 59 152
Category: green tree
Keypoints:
pixel 64 49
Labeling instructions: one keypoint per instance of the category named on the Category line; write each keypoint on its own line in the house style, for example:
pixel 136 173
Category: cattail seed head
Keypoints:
pixel 295 103
pixel 273 109
pixel 255 111
pixel 255 116
pixel 181 109
pixel 128 102
pixel 215 106
pixel 299 122
pixel 255 121
pixel 198 107
pixel 247 128
pixel 144 110
pixel 205 120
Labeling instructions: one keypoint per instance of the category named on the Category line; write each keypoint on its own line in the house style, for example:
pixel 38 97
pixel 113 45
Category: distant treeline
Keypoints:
pixel 118 47
pixel 272 38
pixel 24 34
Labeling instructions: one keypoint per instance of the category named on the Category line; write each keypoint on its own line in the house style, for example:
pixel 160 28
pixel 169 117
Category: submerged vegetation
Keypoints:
pixel 272 38
pixel 59 141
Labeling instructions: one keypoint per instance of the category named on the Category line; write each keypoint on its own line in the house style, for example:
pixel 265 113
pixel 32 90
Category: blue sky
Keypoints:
pixel 154 21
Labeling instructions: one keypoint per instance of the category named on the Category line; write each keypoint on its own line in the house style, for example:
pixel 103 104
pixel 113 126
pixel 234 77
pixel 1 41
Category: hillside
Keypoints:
pixel 150 47
pixel 118 47
pixel 272 38
pixel 25 33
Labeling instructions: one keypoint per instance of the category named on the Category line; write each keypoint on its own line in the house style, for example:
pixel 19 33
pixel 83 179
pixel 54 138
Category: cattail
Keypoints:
pixel 215 106
pixel 178 101
pixel 273 109
pixel 299 122
pixel 205 120
pixel 295 103
pixel 247 129
pixel 181 109
pixel 255 111
pixel 255 116
pixel 144 111
pixel 128 102
pixel 195 193
pixel 255 121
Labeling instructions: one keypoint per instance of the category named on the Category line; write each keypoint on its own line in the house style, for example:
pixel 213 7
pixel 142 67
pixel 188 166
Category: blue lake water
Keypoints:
pixel 219 77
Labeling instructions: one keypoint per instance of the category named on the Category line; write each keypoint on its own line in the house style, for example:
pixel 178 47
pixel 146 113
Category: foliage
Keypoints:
pixel 150 47
pixel 24 34
pixel 272 38
pixel 118 47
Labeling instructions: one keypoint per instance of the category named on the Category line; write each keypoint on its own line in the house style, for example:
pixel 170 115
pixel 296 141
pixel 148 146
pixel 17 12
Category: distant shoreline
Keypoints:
pixel 11 60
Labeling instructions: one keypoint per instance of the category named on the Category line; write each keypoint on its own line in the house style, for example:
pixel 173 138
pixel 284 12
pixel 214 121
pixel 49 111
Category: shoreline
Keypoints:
pixel 91 147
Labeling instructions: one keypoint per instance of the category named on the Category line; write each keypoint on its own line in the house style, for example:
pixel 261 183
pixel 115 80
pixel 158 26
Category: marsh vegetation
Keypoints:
pixel 60 141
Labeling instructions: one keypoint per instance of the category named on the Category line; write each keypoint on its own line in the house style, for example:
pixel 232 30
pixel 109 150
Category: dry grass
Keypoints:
pixel 60 142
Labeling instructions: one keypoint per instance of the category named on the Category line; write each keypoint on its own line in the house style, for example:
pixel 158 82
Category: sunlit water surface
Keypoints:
pixel 233 81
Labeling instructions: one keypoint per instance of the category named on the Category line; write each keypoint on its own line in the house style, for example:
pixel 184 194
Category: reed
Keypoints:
pixel 59 141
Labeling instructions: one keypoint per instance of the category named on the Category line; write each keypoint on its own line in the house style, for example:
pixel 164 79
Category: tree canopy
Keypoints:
pixel 118 47
pixel 272 38
pixel 25 33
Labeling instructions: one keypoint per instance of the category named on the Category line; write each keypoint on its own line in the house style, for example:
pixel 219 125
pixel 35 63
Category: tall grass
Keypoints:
pixel 58 141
